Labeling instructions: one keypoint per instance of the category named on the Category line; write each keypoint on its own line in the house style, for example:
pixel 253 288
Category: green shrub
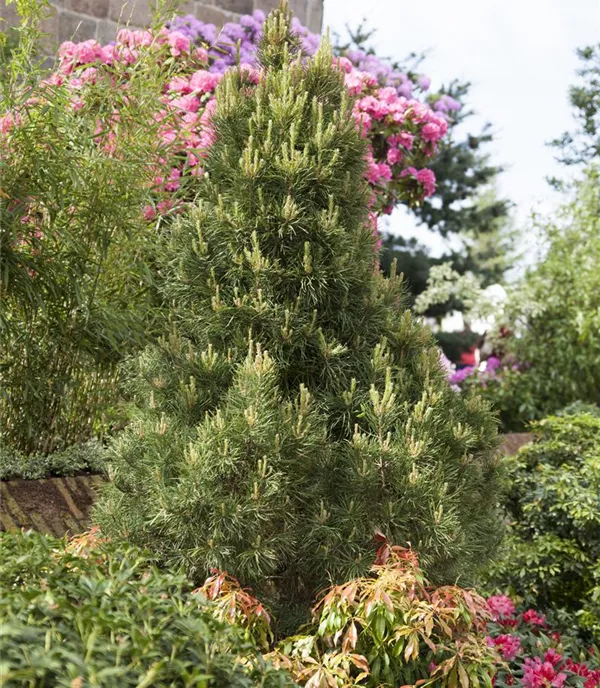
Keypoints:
pixel 87 457
pixel 391 629
pixel 553 548
pixel 297 408
pixel 555 311
pixel 75 255
pixel 95 615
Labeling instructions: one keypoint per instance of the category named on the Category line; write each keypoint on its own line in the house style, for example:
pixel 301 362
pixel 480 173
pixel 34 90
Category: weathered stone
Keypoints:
pixel 92 8
pixel 75 27
pixel 9 14
pixel 107 32
pixel 213 15
pixel 266 5
pixel 314 20
pixel 238 6
pixel 49 27
pixel 84 19
pixel 299 7
pixel 134 12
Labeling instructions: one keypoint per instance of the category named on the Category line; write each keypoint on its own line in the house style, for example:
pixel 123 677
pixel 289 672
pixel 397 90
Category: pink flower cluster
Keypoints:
pixel 501 607
pixel 403 133
pixel 508 645
pixel 534 656
pixel 541 674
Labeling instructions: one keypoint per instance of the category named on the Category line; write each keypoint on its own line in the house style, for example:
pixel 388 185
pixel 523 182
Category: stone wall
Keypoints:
pixel 80 20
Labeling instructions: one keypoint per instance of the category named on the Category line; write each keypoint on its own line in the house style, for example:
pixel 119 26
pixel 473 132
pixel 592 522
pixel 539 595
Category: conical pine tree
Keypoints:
pixel 297 408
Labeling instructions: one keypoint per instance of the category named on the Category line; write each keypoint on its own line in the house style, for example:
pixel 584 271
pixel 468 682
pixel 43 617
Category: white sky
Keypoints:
pixel 519 56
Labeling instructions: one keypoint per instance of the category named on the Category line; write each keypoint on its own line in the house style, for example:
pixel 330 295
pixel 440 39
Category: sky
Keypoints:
pixel 519 56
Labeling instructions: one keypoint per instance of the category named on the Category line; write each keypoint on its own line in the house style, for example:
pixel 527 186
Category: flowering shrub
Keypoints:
pixel 392 629
pixel 535 656
pixel 72 230
pixel 403 131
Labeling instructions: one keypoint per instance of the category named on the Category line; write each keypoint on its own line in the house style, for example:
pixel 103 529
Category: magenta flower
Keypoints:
pixel 500 606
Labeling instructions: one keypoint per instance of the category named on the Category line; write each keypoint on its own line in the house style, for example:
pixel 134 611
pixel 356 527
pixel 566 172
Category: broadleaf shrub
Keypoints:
pixel 391 629
pixel 88 613
pixel 85 457
pixel 553 547
pixel 297 407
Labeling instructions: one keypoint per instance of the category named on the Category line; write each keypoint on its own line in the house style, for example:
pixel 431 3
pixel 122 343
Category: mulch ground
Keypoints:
pixel 54 506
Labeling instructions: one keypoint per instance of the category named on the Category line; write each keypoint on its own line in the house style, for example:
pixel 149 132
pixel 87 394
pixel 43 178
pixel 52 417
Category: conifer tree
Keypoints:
pixel 297 411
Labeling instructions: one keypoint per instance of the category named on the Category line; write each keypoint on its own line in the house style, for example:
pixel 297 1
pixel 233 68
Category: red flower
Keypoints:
pixel 533 618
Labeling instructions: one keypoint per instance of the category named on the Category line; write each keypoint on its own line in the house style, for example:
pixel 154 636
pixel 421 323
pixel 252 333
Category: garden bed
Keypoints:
pixel 53 506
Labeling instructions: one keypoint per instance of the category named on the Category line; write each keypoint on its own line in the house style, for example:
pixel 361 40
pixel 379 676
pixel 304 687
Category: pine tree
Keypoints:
pixel 297 409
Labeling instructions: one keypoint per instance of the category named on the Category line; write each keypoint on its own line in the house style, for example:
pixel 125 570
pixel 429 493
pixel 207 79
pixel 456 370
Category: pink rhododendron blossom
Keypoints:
pixel 538 674
pixel 401 131
pixel 580 669
pixel 179 43
pixel 552 656
pixel 508 645
pixel 189 103
pixel 501 606
pixel 532 617
pixel 203 81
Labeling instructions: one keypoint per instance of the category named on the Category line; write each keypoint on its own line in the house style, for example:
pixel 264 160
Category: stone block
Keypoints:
pixel 237 6
pixel 266 5
pixel 187 7
pixel 49 41
pixel 75 27
pixel 91 8
pixel 135 12
pixel 213 15
pixel 106 32
pixel 9 15
pixel 315 18
pixel 298 8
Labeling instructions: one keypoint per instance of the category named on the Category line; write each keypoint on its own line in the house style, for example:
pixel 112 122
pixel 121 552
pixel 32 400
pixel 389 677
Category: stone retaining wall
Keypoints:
pixel 80 20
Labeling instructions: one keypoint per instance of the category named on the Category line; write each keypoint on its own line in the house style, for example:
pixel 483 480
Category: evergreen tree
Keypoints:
pixel 297 409
pixel 582 146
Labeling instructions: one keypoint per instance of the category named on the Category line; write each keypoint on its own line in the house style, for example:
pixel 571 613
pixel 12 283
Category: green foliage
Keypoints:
pixel 88 613
pixel 87 457
pixel 582 146
pixel 297 408
pixel 391 629
pixel 556 313
pixel 553 549
pixel 74 256
pixel 465 207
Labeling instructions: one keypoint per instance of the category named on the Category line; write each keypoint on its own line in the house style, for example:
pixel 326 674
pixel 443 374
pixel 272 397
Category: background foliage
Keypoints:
pixel 552 551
